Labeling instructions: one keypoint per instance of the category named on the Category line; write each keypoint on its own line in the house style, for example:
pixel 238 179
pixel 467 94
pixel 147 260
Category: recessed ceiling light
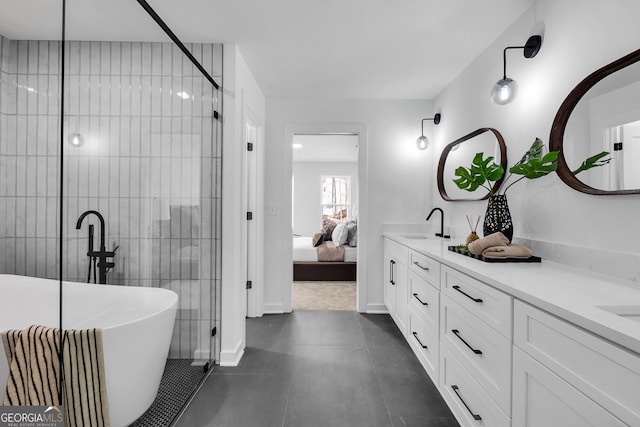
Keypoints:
pixel 297 145
pixel 183 95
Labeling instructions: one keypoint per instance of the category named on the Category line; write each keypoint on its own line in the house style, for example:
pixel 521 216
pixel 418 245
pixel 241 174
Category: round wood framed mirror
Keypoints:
pixel 460 153
pixel 601 114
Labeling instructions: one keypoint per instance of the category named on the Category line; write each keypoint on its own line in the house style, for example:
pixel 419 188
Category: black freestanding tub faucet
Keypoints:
pixel 102 254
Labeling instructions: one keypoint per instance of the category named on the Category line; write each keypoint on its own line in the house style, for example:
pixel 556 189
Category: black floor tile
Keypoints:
pixel 425 422
pixel 326 328
pixel 380 329
pixel 407 388
pixel 262 361
pixel 321 368
pixel 238 400
pixel 335 386
pixel 323 360
pixel 414 397
pixel 270 331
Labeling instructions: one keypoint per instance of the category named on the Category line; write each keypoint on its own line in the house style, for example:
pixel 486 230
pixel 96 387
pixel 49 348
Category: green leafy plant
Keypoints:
pixel 481 173
pixel 592 162
pixel 484 172
pixel 535 163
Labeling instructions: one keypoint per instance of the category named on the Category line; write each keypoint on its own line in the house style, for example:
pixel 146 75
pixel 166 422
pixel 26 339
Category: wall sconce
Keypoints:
pixel 423 142
pixel 504 91
pixel 76 140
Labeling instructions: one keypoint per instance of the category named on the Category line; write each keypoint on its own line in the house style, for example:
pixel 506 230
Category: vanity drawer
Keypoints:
pixel 424 299
pixel 395 251
pixel 600 370
pixel 467 400
pixel 489 304
pixel 425 267
pixel 424 342
pixel 484 352
pixel 541 399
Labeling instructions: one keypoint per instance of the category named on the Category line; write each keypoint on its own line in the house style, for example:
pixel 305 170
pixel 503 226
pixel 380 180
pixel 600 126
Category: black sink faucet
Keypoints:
pixel 441 233
pixel 102 254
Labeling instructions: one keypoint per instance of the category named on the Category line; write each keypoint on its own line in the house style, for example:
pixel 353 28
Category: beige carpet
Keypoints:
pixel 324 295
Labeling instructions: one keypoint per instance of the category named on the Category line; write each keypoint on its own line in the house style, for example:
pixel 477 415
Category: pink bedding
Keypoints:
pixel 328 252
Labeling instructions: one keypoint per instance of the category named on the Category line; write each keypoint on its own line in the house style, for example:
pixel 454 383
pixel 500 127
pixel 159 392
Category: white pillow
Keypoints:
pixel 352 228
pixel 340 234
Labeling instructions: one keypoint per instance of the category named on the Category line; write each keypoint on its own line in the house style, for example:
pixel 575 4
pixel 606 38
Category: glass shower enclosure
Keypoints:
pixel 110 163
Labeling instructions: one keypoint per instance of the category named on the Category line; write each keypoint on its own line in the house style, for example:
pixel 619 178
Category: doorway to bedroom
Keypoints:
pixel 325 221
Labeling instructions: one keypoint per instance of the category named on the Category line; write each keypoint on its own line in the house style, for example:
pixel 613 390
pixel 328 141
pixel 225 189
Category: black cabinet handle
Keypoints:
pixel 418 298
pixel 457 288
pixel 475 416
pixel 415 335
pixel 418 264
pixel 392 263
pixel 457 333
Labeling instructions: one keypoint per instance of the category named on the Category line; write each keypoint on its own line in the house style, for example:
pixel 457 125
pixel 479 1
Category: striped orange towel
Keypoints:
pixel 34 361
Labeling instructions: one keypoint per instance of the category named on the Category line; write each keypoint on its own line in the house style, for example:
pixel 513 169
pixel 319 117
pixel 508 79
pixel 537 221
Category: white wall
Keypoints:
pixel 394 178
pixel 580 36
pixel 241 96
pixel 398 182
pixel 307 194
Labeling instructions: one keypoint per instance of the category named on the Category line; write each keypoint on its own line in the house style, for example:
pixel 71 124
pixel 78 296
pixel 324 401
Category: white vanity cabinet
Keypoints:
pixel 395 282
pixel 475 335
pixel 500 361
pixel 566 376
pixel 423 282
pixel 467 399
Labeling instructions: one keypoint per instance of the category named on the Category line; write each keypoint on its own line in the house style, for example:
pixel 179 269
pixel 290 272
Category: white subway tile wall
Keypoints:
pixel 150 163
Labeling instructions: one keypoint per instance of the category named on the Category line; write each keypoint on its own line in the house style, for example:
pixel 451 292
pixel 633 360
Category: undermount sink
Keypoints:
pixel 631 312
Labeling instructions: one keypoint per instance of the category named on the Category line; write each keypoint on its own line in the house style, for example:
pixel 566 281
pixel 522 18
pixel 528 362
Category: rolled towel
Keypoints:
pixel 496 239
pixel 513 250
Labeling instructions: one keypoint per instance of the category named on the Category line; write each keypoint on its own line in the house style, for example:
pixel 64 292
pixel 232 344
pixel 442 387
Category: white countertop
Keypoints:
pixel 573 294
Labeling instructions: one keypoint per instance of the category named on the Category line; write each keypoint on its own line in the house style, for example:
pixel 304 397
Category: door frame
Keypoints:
pixel 253 230
pixel 359 129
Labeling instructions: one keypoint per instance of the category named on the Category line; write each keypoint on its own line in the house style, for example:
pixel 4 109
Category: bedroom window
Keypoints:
pixel 336 197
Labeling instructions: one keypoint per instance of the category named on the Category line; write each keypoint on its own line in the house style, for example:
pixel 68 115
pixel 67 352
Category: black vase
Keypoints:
pixel 498 218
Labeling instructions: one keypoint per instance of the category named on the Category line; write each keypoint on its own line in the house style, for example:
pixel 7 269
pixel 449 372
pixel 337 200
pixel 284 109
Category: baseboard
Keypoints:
pixel 377 309
pixel 370 308
pixel 232 358
pixel 273 309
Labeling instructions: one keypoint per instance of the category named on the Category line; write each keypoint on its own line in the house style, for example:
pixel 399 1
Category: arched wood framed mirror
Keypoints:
pixel 460 153
pixel 602 113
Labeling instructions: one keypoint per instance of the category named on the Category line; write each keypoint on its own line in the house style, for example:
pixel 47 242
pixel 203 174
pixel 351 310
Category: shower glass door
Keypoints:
pixel 141 140
pixel 29 154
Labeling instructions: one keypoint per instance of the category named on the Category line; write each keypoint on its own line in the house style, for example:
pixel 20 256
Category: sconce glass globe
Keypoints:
pixel 504 91
pixel 422 143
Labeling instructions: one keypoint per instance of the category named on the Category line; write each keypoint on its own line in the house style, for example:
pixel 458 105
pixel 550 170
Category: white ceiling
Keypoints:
pixel 360 49
pixel 325 148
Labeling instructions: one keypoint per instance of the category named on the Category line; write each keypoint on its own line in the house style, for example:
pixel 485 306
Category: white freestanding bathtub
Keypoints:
pixel 137 324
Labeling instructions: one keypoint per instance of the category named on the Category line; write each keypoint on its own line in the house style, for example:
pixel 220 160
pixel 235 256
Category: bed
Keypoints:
pixel 306 266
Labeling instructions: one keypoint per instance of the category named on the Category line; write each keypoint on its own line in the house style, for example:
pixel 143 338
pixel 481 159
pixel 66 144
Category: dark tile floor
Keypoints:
pixel 320 368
